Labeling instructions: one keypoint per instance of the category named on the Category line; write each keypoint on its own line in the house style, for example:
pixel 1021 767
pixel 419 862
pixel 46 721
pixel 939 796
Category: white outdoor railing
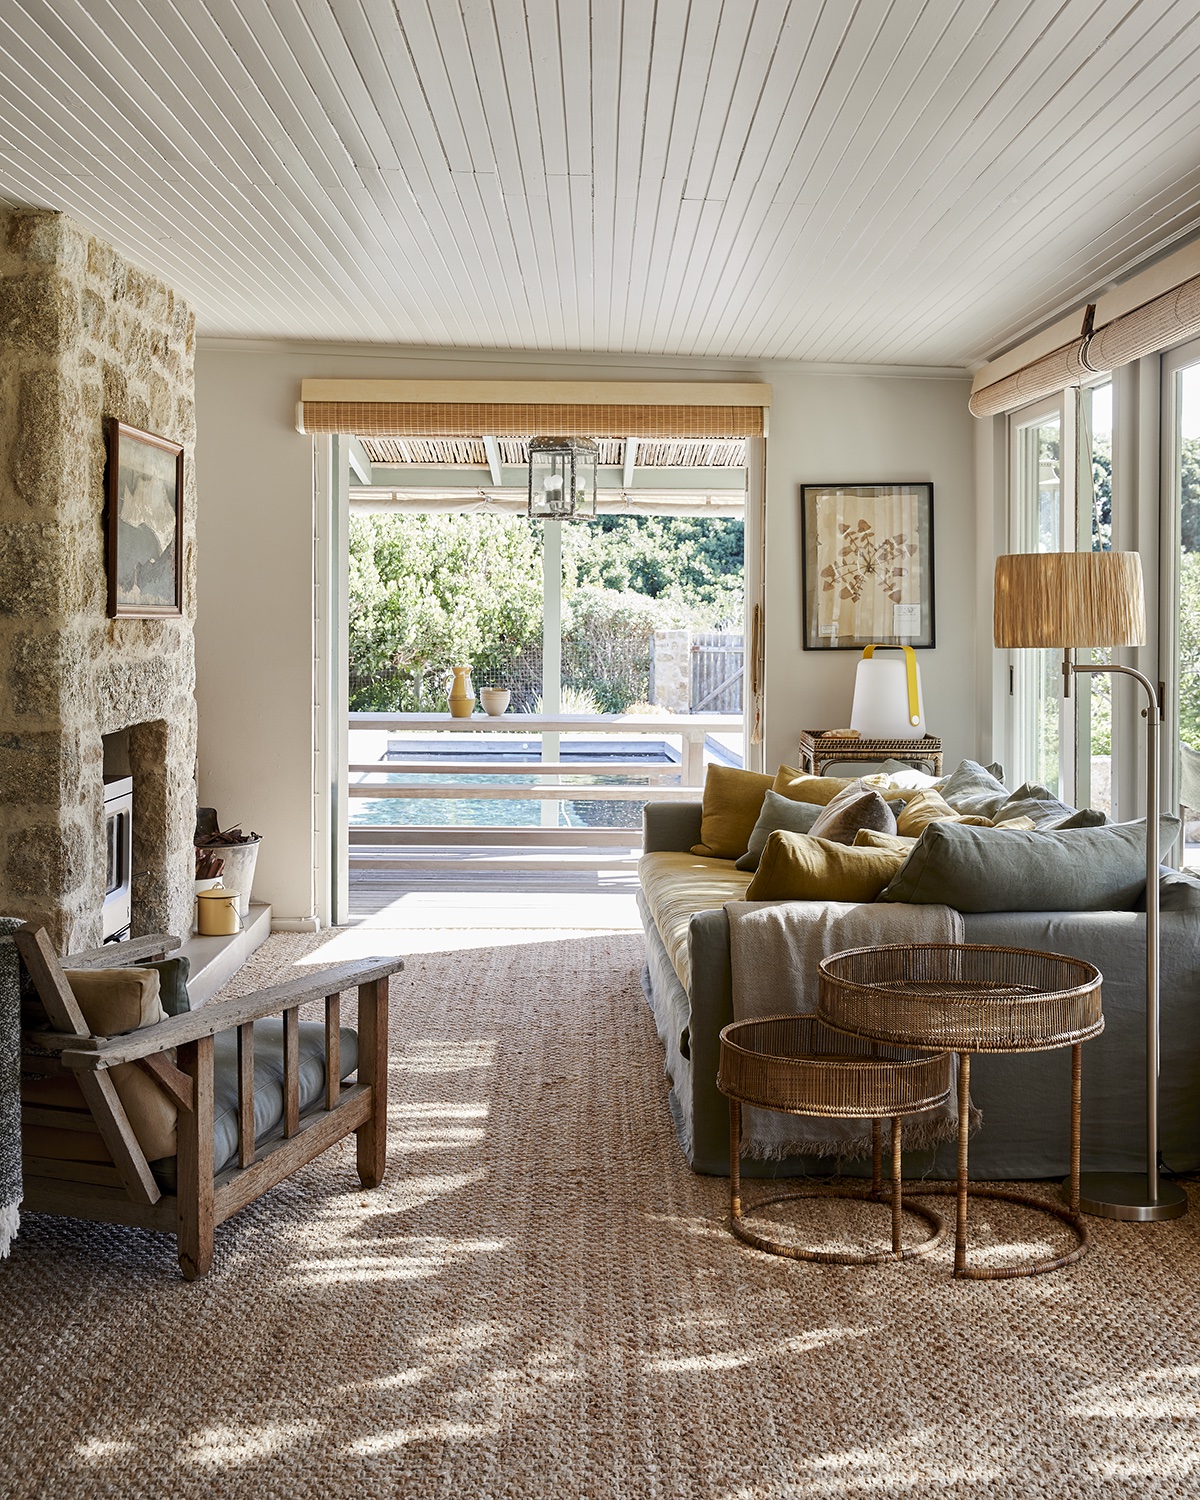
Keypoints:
pixel 691 730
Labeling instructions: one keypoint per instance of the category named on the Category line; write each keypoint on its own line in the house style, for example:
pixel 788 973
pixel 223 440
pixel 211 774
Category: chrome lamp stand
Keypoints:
pixel 1138 1195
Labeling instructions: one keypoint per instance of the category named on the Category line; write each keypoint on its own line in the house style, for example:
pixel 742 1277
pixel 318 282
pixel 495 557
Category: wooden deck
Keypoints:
pixel 484 886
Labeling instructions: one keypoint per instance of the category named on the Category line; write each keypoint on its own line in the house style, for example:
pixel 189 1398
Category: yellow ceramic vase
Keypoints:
pixel 462 694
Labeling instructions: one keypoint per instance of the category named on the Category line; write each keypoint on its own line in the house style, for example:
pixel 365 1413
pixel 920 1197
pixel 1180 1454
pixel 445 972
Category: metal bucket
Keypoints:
pixel 238 873
pixel 217 913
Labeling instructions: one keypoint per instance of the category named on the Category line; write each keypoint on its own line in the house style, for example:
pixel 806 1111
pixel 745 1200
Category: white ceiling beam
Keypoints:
pixel 492 448
pixel 630 460
pixel 360 464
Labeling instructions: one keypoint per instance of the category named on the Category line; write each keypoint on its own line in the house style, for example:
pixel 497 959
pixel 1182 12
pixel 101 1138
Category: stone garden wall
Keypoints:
pixel 85 335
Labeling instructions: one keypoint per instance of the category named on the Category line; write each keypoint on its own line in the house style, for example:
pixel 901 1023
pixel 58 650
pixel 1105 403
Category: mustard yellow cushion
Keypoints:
pixel 732 802
pixel 676 886
pixel 931 807
pixel 798 867
pixel 801 787
pixel 869 838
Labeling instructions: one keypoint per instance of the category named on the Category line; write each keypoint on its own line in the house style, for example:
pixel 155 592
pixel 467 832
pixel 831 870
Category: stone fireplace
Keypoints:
pixel 85 335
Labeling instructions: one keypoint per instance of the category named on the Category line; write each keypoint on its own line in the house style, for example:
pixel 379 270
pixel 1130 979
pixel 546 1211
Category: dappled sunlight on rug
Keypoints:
pixel 542 1300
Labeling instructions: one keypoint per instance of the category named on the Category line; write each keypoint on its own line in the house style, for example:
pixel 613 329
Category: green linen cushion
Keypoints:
pixel 1035 802
pixel 1006 869
pixel 172 984
pixel 1086 817
pixel 975 789
pixel 777 813
pixel 859 806
pixel 1178 890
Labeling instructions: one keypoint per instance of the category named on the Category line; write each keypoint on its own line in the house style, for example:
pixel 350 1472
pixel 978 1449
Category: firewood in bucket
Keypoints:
pixel 208 865
pixel 225 838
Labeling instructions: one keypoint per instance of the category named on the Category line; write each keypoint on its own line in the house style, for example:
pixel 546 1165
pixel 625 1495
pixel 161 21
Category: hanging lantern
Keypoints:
pixel 562 479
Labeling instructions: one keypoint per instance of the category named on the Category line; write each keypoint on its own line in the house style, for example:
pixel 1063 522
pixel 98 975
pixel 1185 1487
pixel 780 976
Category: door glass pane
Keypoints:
pixel 1187 477
pixel 1038 674
pixel 1095 530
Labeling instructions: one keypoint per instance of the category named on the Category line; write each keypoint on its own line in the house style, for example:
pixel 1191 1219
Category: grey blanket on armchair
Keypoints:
pixel 10 1085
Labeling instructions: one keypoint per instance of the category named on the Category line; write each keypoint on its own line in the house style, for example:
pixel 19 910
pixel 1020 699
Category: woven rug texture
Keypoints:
pixel 543 1300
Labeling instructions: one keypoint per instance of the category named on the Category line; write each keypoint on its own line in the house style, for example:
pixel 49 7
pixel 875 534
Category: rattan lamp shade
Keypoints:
pixel 1063 599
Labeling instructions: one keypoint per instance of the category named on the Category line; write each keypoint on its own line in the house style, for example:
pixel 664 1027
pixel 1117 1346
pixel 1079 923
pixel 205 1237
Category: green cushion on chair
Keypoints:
pixel 268 1085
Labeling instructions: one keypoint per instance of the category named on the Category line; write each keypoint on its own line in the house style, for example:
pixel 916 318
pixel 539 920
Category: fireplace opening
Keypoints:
pixel 117 913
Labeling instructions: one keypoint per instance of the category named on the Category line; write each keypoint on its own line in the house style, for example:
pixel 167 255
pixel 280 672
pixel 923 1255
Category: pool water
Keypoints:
pixel 454 812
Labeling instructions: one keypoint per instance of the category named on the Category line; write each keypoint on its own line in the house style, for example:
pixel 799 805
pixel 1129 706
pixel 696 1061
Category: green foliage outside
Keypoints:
pixel 1189 593
pixel 428 592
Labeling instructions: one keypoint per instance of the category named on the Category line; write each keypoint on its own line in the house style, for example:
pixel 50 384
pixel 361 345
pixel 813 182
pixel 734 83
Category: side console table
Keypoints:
pixel 818 750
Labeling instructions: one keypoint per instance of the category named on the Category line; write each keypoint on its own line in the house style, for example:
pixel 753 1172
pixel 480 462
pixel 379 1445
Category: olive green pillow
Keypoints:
pixel 1036 802
pixel 976 789
pixel 798 867
pixel 172 984
pixel 729 810
pixel 1007 869
pixel 777 813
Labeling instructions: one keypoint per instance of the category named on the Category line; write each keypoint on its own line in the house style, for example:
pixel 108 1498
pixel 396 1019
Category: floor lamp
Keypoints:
pixel 1064 600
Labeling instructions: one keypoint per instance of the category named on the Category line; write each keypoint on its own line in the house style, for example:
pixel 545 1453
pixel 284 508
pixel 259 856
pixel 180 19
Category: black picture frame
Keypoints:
pixel 867 565
pixel 144 523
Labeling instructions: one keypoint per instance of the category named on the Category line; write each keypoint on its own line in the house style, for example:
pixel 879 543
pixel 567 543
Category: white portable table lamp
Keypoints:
pixel 1050 600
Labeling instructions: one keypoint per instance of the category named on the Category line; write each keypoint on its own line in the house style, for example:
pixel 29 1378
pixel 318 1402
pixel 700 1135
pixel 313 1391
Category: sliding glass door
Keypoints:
pixel 1181 570
pixel 1042 519
pixel 1060 465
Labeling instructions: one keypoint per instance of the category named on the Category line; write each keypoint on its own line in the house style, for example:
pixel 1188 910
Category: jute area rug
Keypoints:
pixel 544 1301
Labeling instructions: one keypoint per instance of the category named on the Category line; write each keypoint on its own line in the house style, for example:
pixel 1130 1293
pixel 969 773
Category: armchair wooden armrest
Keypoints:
pixel 139 950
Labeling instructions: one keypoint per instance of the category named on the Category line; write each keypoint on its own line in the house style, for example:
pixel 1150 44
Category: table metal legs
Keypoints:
pixel 873 1194
pixel 1068 1214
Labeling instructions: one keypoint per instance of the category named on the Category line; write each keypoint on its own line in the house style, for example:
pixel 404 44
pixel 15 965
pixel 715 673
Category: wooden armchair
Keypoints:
pixel 178 1055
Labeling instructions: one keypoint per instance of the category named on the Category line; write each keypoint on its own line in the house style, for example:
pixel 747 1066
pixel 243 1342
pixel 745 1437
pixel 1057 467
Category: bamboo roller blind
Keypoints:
pixel 527 418
pixel 1156 325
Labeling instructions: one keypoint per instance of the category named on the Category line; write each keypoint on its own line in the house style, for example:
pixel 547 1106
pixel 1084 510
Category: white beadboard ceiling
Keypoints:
pixel 875 181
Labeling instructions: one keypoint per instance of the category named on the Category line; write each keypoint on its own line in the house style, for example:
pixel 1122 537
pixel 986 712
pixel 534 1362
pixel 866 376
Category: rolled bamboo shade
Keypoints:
pixel 1059 599
pixel 1167 320
pixel 1044 377
pixel 521 418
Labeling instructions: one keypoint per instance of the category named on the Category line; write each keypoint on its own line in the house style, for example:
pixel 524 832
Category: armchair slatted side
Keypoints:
pixel 59 1044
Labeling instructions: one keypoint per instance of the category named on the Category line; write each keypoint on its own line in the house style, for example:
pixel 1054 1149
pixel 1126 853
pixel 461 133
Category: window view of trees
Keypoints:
pixel 1189 593
pixel 430 591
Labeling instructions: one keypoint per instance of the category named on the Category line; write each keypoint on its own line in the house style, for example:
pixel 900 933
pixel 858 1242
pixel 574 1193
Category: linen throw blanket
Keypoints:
pixel 10 1085
pixel 774 950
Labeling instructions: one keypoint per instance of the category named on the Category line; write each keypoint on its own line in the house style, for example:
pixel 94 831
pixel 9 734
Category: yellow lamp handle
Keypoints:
pixel 910 664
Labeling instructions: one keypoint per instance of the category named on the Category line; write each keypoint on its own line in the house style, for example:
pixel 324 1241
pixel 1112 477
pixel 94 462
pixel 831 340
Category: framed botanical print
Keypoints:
pixel 145 523
pixel 867 559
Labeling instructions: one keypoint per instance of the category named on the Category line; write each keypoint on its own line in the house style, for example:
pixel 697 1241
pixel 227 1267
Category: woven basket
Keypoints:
pixel 964 997
pixel 798 1065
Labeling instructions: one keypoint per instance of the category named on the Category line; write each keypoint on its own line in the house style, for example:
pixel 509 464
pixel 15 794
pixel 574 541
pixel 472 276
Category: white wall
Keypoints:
pixel 861 429
pixel 254 632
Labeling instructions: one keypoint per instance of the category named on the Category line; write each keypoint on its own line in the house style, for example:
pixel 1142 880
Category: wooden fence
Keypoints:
pixel 716 684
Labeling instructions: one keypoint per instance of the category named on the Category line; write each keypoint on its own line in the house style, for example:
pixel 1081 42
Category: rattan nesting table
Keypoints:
pixel 797 1065
pixel 968 998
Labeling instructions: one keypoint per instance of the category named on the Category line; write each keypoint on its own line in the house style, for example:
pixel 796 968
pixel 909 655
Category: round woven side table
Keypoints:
pixel 967 998
pixel 798 1066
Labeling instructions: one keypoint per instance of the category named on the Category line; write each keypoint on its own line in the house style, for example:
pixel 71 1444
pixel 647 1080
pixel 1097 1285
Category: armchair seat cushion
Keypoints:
pixel 268 1085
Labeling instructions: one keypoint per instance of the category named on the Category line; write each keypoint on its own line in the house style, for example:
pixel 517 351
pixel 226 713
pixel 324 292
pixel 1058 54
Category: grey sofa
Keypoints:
pixel 1023 1099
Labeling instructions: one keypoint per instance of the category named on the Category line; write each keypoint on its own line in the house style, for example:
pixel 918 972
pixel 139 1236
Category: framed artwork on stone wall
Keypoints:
pixel 145 523
pixel 867 561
